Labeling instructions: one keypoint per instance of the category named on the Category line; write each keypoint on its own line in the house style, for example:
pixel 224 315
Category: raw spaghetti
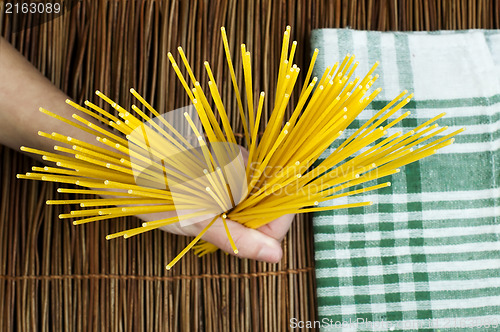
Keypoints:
pixel 151 165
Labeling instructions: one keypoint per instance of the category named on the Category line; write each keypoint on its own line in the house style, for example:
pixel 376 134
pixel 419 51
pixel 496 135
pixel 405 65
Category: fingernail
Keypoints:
pixel 270 254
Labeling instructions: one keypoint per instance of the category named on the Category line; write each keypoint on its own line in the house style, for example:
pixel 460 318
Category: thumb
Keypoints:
pixel 250 242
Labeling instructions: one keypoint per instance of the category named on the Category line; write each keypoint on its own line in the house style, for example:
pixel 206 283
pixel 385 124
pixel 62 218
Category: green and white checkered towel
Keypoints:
pixel 426 254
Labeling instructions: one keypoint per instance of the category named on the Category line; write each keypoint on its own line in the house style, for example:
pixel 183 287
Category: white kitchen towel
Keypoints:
pixel 426 254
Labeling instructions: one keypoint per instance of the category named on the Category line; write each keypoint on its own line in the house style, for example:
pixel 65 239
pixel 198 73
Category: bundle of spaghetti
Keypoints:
pixel 146 164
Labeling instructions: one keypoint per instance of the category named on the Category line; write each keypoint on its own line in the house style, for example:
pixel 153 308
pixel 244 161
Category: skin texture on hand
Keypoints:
pixel 23 90
pixel 262 244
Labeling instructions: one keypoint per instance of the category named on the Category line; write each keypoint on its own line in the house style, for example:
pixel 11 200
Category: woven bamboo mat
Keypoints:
pixel 59 277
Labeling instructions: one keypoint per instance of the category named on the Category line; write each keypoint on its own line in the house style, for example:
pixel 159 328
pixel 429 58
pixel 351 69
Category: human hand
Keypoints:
pixel 263 244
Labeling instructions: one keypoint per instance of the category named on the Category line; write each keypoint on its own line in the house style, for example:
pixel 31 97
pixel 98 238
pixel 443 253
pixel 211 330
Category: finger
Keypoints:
pixel 278 228
pixel 250 242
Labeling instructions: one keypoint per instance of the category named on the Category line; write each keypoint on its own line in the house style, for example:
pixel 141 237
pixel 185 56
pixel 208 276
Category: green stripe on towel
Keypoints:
pixel 426 254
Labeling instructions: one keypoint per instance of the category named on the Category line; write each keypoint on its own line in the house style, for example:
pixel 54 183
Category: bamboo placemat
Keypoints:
pixel 55 276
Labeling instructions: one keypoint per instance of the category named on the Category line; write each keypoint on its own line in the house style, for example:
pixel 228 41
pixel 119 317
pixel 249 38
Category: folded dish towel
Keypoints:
pixel 426 254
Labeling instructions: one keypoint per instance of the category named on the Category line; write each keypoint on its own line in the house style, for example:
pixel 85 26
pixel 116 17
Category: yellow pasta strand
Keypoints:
pixel 190 245
pixel 142 164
